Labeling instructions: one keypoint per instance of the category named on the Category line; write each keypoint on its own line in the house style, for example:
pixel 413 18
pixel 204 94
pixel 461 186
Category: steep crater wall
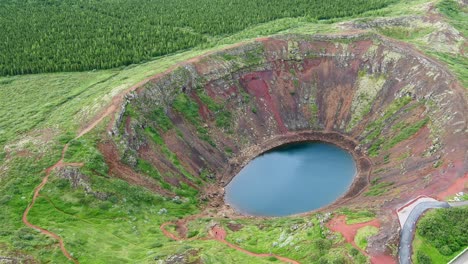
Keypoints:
pixel 197 125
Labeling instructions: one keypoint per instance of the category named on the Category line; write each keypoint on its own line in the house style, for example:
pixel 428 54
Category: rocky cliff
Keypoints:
pixel 402 115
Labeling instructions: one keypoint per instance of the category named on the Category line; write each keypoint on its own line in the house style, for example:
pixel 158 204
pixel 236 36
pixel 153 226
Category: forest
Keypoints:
pixel 445 229
pixel 68 35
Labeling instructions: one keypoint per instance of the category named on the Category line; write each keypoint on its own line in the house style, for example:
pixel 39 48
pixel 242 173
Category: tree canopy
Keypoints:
pixel 69 35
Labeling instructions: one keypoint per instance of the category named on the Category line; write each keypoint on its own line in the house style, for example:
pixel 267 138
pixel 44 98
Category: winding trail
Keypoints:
pixel 219 234
pixel 167 233
pixel 107 111
pixel 59 163
pixel 338 224
pixel 110 109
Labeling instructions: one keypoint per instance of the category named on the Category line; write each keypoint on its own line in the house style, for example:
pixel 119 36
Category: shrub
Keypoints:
pixel 354 252
pixel 193 233
pixel 423 258
pixel 445 229
pixel 445 250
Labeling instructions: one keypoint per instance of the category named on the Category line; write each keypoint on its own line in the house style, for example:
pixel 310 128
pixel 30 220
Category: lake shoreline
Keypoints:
pixel 216 193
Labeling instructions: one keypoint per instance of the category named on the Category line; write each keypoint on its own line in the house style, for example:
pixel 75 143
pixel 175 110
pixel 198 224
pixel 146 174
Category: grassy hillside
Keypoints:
pixel 39 113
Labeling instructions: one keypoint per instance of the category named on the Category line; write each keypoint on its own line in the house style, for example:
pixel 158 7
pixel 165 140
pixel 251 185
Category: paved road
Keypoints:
pixel 407 232
pixel 456 204
pixel 461 259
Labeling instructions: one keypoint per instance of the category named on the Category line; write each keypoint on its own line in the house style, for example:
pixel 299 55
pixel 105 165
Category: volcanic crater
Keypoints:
pixel 399 113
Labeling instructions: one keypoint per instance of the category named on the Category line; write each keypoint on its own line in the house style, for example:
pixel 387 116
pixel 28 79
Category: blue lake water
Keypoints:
pixel 292 179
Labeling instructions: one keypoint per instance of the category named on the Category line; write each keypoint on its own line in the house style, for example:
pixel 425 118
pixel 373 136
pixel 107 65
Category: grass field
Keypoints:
pixel 40 113
pixel 363 234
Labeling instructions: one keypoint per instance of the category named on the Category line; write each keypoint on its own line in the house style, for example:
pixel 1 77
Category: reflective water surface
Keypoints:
pixel 292 179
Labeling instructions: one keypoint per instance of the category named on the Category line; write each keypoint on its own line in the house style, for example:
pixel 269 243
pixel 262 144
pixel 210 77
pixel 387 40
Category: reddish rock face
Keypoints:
pixel 375 97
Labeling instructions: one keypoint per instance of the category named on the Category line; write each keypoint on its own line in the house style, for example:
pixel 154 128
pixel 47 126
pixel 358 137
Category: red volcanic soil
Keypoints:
pixel 458 186
pixel 256 85
pixel 220 235
pixel 338 224
pixel 302 88
pixel 37 190
pixel 382 259
pixel 124 172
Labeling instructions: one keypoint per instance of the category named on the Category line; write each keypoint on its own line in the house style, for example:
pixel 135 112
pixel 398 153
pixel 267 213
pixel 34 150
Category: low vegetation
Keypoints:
pixel 445 229
pixel 405 33
pixel 116 222
pixel 456 12
pixel 354 217
pixel 378 187
pixel 405 132
pixel 376 127
pixel 363 234
pixel 189 109
pixel 456 62
pixel 311 240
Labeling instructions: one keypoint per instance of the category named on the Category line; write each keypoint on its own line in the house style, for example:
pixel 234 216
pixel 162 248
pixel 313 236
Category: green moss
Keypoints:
pixel 228 57
pixel 161 119
pixel 208 101
pixel 376 127
pixel 148 169
pixel 313 112
pixel 187 107
pixel 374 149
pixel 245 96
pixel 368 87
pixel 292 72
pixel 254 56
pixel 223 118
pixel 438 163
pixel 296 83
pixel 228 150
pixel 277 236
pixel 154 135
pixel 171 156
pixel 406 133
pixel 378 188
pixel 363 234
pixel 386 158
pixel 354 217
pixel 357 256
pixel 405 33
